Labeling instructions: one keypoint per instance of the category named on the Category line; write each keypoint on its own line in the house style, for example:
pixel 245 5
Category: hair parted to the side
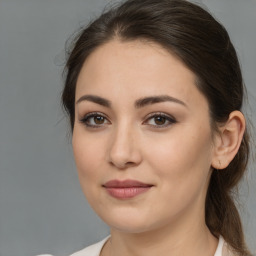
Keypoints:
pixel 203 45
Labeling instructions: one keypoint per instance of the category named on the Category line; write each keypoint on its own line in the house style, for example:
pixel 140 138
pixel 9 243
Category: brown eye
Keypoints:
pixel 95 120
pixel 99 119
pixel 159 120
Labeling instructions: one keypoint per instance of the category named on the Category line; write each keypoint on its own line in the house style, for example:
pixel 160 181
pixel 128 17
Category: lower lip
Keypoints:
pixel 126 193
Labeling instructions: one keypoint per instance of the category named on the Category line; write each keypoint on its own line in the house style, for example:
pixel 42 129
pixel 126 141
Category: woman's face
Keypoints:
pixel 142 138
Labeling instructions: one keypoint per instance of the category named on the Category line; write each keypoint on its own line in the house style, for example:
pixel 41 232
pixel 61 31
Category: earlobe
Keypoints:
pixel 228 140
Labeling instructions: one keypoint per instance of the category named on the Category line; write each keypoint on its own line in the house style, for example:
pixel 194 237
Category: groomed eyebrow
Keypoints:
pixel 96 99
pixel 140 103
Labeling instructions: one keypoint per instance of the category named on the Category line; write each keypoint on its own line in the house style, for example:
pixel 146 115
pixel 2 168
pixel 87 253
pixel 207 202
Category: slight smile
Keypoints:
pixel 126 189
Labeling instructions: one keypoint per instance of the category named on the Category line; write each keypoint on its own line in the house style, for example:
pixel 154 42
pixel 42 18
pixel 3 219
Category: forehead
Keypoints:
pixel 135 68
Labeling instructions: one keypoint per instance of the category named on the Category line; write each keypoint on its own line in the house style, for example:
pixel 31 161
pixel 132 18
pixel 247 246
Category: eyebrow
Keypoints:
pixel 157 99
pixel 96 99
pixel 140 103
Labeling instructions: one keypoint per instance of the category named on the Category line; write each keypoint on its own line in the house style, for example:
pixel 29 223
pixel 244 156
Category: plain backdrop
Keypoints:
pixel 42 209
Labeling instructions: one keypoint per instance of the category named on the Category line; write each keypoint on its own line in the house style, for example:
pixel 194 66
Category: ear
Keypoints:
pixel 228 140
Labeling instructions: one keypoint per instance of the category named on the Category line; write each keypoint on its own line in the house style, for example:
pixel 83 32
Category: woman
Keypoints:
pixel 154 94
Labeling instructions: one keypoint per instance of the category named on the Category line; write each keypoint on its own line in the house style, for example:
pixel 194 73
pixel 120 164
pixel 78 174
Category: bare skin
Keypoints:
pixel 140 116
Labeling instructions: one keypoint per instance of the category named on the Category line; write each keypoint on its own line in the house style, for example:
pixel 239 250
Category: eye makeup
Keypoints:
pixel 94 120
pixel 154 120
pixel 159 120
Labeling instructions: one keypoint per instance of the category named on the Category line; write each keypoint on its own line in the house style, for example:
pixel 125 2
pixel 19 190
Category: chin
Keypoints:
pixel 128 222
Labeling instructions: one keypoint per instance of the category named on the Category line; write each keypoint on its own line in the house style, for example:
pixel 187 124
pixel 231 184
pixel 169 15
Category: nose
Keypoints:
pixel 124 149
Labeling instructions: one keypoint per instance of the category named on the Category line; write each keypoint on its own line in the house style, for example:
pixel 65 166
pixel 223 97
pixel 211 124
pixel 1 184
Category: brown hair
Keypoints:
pixel 204 46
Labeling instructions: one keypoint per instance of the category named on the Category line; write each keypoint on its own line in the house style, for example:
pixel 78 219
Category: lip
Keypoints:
pixel 126 189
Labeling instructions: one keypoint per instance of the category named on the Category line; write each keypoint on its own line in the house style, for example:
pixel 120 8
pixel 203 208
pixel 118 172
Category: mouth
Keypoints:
pixel 126 189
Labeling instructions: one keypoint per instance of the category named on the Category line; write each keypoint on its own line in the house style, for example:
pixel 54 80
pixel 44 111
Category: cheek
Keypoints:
pixel 88 156
pixel 183 159
pixel 182 166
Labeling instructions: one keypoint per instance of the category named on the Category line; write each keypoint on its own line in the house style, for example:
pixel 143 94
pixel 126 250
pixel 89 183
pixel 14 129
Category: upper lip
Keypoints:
pixel 125 184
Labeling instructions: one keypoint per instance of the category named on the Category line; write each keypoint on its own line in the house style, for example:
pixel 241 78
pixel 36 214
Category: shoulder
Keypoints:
pixel 92 250
pixel 228 250
pixel 224 249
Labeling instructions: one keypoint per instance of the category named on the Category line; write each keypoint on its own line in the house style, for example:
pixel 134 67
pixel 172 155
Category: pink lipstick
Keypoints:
pixel 126 189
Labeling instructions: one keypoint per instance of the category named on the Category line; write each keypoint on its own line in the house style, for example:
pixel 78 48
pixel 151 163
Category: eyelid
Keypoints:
pixel 168 117
pixel 93 114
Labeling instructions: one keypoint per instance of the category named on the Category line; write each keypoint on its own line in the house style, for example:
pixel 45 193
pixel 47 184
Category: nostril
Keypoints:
pixel 123 152
pixel 122 165
pixel 130 164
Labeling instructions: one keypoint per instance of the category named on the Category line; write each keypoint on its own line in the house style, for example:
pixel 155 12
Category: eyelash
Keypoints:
pixel 85 120
pixel 171 120
pixel 88 116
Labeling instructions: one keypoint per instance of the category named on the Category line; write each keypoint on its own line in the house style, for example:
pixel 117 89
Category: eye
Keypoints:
pixel 160 120
pixel 94 120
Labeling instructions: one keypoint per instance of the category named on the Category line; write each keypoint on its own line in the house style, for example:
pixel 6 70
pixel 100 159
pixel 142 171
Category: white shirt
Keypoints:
pixel 95 249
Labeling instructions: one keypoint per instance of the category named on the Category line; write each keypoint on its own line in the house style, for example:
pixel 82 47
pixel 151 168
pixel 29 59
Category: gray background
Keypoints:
pixel 42 209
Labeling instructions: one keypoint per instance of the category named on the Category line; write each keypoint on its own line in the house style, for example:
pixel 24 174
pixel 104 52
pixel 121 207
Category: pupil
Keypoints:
pixel 160 120
pixel 99 120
